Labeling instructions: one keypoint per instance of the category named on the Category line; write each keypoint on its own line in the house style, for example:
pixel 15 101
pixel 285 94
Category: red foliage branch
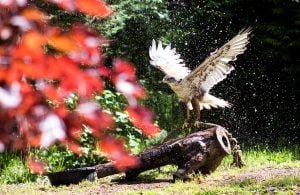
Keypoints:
pixel 30 75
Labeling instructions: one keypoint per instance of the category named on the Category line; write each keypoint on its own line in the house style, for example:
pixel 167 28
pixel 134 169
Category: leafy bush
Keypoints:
pixel 39 62
pixel 13 169
pixel 59 158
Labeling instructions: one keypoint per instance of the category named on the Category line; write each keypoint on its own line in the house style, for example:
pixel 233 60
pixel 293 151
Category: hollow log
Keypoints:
pixel 201 151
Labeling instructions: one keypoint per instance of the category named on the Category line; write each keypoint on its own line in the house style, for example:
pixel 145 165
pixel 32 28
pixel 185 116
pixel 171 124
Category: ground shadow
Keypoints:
pixel 141 181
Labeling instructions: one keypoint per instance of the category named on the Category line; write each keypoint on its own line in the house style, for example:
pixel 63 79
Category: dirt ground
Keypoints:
pixel 135 187
pixel 260 175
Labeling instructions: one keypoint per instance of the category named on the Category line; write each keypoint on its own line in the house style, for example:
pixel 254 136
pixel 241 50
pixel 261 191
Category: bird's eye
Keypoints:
pixel 171 79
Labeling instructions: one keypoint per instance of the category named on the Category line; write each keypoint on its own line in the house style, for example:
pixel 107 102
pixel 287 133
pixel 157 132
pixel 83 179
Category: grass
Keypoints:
pixel 258 160
pixel 285 185
pixel 13 169
pixel 254 158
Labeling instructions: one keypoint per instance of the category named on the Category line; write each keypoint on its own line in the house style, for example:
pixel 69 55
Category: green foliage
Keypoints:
pixel 13 169
pixel 115 103
pixel 255 158
pixel 266 157
pixel 59 158
pixel 126 10
pixel 197 28
pixel 267 75
pixel 131 29
pixel 264 90
pixel 166 108
pixel 72 101
pixel 58 16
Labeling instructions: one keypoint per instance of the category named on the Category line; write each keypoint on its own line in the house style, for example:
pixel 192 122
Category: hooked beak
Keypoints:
pixel 164 80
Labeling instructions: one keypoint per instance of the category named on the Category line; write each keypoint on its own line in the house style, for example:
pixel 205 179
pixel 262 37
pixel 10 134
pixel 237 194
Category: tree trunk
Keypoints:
pixel 201 151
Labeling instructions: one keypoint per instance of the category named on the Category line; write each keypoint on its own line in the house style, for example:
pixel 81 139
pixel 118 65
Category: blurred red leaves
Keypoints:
pixel 96 119
pixel 142 118
pixel 123 77
pixel 41 63
pixel 34 15
pixel 91 7
pixel 74 146
pixel 36 166
pixel 12 4
pixel 114 150
pixel 63 43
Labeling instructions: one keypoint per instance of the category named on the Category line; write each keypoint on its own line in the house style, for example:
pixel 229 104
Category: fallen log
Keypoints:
pixel 201 151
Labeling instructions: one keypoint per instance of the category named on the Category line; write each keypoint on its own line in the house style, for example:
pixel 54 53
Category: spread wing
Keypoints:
pixel 216 67
pixel 167 60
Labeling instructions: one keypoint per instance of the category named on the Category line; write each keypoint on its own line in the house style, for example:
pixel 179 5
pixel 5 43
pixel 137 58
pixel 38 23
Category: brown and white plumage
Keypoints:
pixel 194 86
pixel 168 61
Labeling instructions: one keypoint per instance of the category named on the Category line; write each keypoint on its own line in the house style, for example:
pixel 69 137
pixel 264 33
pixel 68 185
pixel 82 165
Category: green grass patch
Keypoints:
pixel 13 170
pixel 266 157
pixel 284 185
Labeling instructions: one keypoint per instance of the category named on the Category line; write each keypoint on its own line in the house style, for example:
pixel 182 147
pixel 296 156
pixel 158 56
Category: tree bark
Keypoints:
pixel 201 151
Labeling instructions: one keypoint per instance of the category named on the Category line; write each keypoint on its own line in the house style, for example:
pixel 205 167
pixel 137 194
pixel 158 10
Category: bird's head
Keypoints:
pixel 168 80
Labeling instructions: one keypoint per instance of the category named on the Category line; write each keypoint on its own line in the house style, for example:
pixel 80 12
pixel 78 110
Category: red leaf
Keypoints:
pixel 12 4
pixel 31 70
pixel 75 132
pixel 126 162
pixel 142 118
pixel 52 129
pixel 89 41
pixel 34 139
pixel 34 14
pixel 104 122
pixel 30 50
pixel 125 68
pixel 61 111
pixel 19 143
pixel 63 43
pixel 74 146
pixel 125 81
pixel 31 98
pixel 93 7
pixel 65 4
pixel 93 84
pixel 73 123
pixel 103 71
pixel 115 151
pixel 33 41
pixel 36 166
pixel 52 93
pixel 95 118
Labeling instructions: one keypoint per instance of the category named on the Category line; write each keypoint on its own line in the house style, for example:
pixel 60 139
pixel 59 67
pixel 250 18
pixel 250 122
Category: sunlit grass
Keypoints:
pixel 256 159
pixel 266 157
pixel 13 169
pixel 284 185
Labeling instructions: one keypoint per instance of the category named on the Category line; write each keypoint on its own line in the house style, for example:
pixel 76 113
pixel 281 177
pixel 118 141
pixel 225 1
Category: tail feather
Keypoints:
pixel 208 101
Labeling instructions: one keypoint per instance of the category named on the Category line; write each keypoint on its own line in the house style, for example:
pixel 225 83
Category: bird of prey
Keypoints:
pixel 192 87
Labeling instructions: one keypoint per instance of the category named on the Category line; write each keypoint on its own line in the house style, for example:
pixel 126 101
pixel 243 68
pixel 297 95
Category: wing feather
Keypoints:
pixel 216 67
pixel 167 60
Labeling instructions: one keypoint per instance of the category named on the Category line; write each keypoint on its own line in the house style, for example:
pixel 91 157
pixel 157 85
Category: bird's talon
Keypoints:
pixel 185 125
pixel 208 125
pixel 197 124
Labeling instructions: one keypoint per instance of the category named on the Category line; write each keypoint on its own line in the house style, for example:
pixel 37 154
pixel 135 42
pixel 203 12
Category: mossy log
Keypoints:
pixel 201 151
